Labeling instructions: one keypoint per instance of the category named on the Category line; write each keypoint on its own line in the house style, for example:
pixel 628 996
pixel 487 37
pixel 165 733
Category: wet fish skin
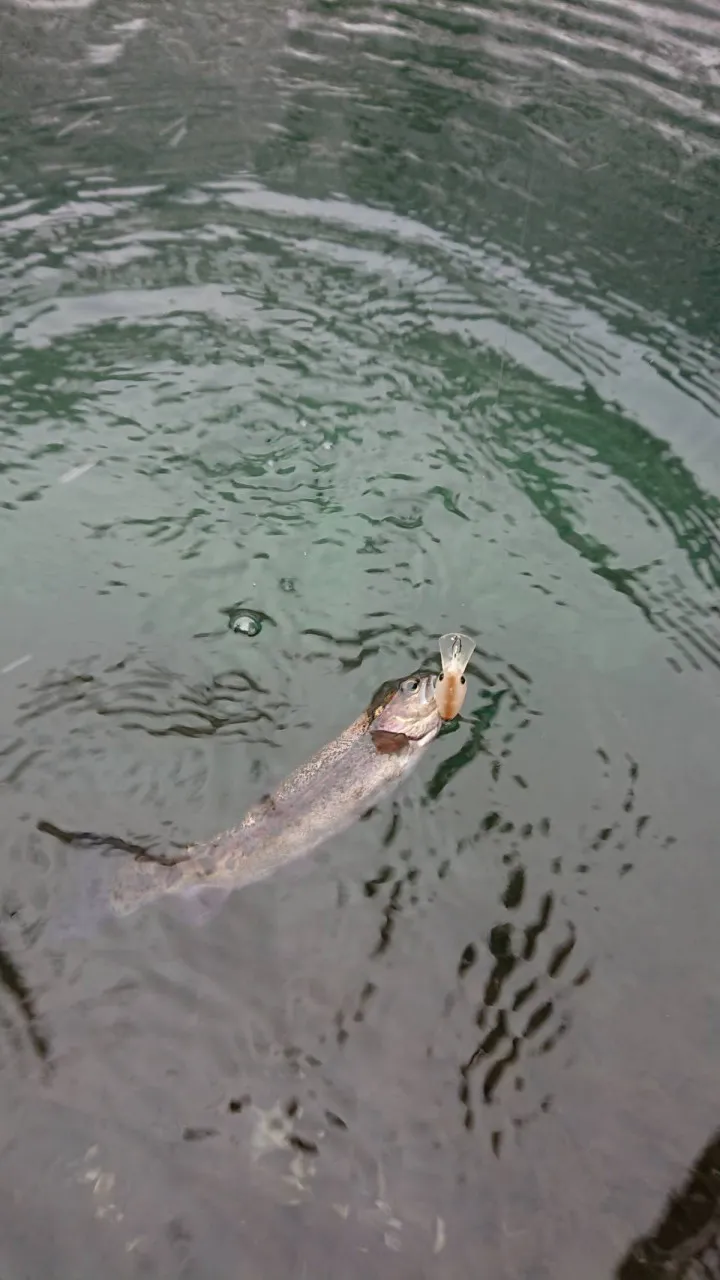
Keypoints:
pixel 320 799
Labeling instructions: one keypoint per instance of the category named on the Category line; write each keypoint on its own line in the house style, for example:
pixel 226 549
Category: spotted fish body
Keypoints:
pixel 318 800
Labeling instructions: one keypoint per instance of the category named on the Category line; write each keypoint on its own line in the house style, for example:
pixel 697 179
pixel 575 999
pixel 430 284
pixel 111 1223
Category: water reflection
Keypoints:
pixel 508 1036
pixel 20 1008
pixel 153 699
pixel 663 490
pixel 519 985
pixel 371 323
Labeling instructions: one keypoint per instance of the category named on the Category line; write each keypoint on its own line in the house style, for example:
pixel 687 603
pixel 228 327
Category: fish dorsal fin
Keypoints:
pixel 386 742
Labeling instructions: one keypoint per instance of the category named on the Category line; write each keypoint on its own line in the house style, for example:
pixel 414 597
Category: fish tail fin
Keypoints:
pixel 92 891
pixel 82 903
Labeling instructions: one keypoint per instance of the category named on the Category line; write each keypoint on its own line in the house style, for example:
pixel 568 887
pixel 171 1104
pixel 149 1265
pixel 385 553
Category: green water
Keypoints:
pixel 366 323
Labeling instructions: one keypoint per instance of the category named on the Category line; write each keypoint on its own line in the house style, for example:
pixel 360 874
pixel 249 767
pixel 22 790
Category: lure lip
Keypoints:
pixel 456 650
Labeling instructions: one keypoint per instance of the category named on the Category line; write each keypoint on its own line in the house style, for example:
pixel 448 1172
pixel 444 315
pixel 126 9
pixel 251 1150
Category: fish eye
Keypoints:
pixel 411 685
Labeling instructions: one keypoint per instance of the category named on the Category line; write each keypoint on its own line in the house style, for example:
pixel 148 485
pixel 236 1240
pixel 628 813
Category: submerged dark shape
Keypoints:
pixel 685 1241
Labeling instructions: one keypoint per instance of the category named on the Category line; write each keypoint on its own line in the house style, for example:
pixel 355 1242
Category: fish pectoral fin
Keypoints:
pixel 199 903
pixel 386 742
pixel 264 806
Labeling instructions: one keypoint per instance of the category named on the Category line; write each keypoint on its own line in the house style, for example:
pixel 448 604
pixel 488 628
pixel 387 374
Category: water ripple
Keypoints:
pixel 367 322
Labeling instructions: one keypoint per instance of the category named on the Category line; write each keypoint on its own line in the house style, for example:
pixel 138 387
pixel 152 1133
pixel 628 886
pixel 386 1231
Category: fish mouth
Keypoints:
pixel 427 698
pixel 426 737
pixel 427 688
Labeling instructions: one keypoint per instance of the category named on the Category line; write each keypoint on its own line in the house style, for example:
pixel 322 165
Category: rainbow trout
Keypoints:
pixel 320 799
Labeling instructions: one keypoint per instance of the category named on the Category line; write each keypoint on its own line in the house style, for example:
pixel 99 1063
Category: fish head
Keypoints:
pixel 403 713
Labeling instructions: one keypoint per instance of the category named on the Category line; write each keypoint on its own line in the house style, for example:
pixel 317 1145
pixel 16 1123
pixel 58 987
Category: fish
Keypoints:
pixel 320 799
pixel 456 650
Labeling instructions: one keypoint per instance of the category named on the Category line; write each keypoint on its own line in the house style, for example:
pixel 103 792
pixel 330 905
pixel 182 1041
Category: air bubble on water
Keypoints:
pixel 287 584
pixel 246 624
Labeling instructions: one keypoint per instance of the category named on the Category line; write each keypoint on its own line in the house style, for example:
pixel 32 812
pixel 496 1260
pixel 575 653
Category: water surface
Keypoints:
pixel 364 322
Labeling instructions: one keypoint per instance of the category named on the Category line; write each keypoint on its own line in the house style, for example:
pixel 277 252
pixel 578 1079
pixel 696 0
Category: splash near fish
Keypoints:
pixel 456 650
pixel 318 800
